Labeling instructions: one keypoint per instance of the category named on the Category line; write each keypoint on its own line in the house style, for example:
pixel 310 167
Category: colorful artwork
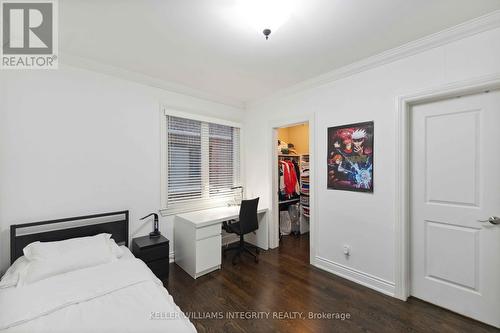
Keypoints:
pixel 350 157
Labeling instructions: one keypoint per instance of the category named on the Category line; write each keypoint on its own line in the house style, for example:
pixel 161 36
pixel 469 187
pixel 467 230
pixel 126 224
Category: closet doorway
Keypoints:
pixel 292 184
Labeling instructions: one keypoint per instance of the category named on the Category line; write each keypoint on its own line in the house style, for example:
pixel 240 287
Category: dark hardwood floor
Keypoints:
pixel 283 282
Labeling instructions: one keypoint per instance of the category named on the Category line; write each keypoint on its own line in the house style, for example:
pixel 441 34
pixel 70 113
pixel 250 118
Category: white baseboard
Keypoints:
pixel 354 275
pixel 348 273
pixel 171 257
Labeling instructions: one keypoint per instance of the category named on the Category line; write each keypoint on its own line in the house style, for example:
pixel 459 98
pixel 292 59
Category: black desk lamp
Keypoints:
pixel 156 232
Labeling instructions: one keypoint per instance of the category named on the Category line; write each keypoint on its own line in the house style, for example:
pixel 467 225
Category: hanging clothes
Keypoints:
pixel 289 184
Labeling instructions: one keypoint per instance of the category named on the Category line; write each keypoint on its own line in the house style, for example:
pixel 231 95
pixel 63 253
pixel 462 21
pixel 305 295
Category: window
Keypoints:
pixel 184 160
pixel 202 164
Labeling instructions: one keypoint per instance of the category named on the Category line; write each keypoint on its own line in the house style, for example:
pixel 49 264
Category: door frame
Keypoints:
pixel 274 216
pixel 403 218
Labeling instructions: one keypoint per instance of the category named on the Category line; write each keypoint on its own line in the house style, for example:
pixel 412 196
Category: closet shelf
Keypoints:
pixel 304 191
pixel 288 201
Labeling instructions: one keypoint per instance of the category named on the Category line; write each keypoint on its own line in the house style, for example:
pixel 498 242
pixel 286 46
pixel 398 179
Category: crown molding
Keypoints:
pixel 483 23
pixel 118 72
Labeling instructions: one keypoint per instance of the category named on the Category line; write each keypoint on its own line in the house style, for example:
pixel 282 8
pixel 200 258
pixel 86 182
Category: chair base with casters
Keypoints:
pixel 239 247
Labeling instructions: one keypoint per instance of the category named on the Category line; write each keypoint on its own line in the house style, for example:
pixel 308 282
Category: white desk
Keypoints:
pixel 198 240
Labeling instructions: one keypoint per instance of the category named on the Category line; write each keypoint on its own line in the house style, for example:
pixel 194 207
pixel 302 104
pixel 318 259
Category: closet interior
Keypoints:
pixel 293 177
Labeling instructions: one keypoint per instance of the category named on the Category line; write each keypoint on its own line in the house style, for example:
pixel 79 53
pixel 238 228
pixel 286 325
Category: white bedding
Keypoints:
pixel 121 296
pixel 126 254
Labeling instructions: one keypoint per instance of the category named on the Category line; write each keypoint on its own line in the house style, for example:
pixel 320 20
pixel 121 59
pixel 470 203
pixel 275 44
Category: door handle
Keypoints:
pixel 492 219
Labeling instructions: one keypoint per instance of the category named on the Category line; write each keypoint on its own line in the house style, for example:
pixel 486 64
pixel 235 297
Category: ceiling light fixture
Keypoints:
pixel 266 33
pixel 264 16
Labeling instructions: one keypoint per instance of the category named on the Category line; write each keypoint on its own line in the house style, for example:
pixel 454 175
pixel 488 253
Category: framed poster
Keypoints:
pixel 350 157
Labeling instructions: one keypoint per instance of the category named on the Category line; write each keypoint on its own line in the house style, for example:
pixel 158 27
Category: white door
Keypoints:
pixel 455 182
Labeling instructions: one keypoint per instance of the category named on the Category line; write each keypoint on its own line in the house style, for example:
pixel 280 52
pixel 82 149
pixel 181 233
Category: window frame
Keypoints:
pixel 165 210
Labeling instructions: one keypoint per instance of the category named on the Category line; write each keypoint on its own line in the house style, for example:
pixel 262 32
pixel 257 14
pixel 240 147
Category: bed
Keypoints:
pixel 118 295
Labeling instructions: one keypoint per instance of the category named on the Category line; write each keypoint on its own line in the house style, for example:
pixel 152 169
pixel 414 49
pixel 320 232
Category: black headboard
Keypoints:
pixel 115 223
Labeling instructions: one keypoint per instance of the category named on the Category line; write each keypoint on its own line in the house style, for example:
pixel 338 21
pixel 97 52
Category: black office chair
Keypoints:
pixel 247 223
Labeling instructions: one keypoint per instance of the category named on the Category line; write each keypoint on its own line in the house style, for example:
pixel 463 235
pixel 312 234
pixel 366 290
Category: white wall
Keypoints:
pixel 75 142
pixel 364 221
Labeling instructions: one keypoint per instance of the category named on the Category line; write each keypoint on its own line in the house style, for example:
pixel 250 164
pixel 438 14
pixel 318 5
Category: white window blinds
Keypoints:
pixel 203 163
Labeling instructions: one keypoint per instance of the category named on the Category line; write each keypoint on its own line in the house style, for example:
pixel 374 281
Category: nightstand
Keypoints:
pixel 154 252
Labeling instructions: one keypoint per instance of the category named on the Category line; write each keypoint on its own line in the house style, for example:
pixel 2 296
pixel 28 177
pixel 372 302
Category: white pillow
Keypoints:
pixel 47 259
pixel 13 276
pixel 117 250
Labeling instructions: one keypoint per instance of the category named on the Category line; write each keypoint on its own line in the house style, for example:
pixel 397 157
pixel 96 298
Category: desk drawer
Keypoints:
pixel 208 253
pixel 210 231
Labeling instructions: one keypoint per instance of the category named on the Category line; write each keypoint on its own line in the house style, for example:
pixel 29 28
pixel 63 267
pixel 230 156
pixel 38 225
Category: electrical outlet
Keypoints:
pixel 347 250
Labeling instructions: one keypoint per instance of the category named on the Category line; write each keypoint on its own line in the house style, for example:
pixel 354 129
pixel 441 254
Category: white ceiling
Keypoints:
pixel 199 44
